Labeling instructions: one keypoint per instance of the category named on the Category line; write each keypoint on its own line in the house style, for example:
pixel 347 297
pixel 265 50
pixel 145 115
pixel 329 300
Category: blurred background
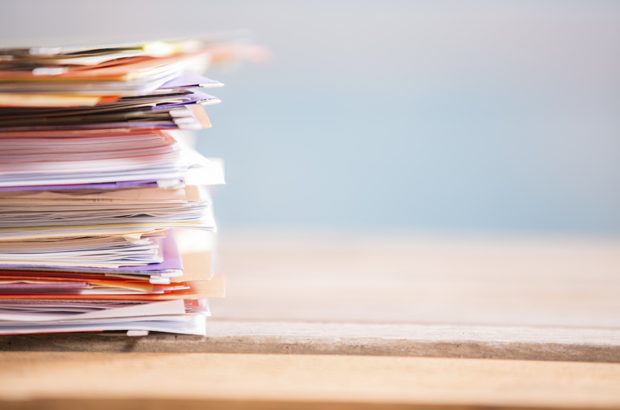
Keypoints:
pixel 425 116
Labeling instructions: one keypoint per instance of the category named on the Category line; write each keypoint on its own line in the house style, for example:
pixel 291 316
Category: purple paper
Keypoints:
pixel 171 258
pixel 186 80
pixel 41 288
pixel 196 97
pixel 124 124
pixel 101 185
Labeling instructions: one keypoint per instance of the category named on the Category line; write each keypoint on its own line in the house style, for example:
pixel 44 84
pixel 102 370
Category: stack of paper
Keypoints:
pixel 106 220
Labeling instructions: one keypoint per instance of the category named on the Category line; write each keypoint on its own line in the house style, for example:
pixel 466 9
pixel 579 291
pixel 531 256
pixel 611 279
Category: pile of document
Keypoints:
pixel 106 221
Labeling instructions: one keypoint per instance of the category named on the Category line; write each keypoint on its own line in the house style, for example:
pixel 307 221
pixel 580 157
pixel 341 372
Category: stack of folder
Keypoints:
pixel 106 221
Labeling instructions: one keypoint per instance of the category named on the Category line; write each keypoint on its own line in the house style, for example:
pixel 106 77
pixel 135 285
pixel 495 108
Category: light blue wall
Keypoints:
pixel 434 115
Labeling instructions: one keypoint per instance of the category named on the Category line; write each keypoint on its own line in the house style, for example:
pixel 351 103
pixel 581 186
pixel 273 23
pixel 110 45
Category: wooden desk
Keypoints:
pixel 410 305
pixel 224 381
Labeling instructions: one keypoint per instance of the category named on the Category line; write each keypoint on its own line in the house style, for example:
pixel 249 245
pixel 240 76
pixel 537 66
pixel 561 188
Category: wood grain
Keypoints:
pixel 137 380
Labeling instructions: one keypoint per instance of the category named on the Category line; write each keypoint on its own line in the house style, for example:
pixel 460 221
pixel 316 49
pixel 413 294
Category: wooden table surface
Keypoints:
pixel 405 320
pixel 258 381
pixel 558 282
